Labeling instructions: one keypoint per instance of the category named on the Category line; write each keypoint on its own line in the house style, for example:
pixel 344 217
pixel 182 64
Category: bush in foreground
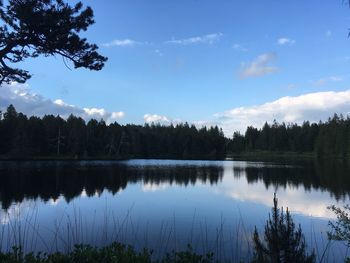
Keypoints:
pixel 282 242
pixel 114 253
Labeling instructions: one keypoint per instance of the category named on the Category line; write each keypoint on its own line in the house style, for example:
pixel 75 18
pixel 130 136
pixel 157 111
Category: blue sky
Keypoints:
pixel 227 63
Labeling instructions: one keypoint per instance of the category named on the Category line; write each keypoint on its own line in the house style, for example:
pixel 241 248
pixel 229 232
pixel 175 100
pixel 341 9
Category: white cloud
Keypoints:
pixel 309 203
pixel 122 43
pixel 328 33
pixel 259 67
pixel 34 104
pixel 312 107
pixel 149 118
pixel 206 39
pixel 324 81
pixel 95 113
pixel 60 102
pixel 161 119
pixel 285 41
pixel 117 115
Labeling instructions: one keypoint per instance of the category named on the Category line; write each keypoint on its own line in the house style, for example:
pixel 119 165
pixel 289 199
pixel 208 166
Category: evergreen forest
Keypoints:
pixel 54 137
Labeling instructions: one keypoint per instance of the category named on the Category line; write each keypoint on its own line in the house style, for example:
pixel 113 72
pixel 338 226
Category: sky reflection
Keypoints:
pixel 150 195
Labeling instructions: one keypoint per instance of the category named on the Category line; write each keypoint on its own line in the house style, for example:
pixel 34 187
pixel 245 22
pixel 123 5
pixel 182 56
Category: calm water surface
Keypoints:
pixel 165 204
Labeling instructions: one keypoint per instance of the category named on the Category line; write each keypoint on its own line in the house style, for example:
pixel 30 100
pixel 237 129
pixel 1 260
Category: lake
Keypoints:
pixel 166 204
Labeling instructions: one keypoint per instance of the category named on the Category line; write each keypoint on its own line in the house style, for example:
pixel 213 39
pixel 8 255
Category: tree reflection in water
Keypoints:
pixel 50 180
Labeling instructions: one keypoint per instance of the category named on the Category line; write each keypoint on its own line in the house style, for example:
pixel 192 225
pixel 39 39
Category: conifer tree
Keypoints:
pixel 282 242
pixel 30 28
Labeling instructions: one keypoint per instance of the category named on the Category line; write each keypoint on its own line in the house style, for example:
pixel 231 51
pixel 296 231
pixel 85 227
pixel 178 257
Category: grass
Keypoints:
pixel 102 233
pixel 115 252
pixel 107 237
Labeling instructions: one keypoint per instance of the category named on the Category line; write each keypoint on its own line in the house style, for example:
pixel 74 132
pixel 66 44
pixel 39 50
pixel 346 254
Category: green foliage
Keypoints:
pixel 114 253
pixel 51 136
pixel 341 228
pixel 328 139
pixel 188 256
pixel 277 138
pixel 282 242
pixel 334 138
pixel 237 143
pixel 44 27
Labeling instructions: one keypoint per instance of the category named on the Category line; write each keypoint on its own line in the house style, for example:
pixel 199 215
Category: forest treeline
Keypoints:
pixel 53 136
pixel 324 139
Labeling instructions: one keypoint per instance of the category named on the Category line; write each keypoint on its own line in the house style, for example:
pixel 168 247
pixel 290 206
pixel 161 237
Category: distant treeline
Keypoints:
pixel 53 136
pixel 325 139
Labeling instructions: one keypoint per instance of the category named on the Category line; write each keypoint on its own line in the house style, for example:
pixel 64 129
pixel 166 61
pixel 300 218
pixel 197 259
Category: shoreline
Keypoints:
pixel 254 155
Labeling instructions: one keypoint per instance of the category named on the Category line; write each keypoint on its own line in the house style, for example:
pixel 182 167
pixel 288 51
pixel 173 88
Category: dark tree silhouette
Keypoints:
pixel 329 139
pixel 283 243
pixel 20 181
pixel 341 227
pixel 22 137
pixel 44 27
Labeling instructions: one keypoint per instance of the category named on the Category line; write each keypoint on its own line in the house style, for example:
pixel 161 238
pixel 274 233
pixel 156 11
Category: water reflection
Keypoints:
pixel 50 180
pixel 332 177
pixel 189 196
